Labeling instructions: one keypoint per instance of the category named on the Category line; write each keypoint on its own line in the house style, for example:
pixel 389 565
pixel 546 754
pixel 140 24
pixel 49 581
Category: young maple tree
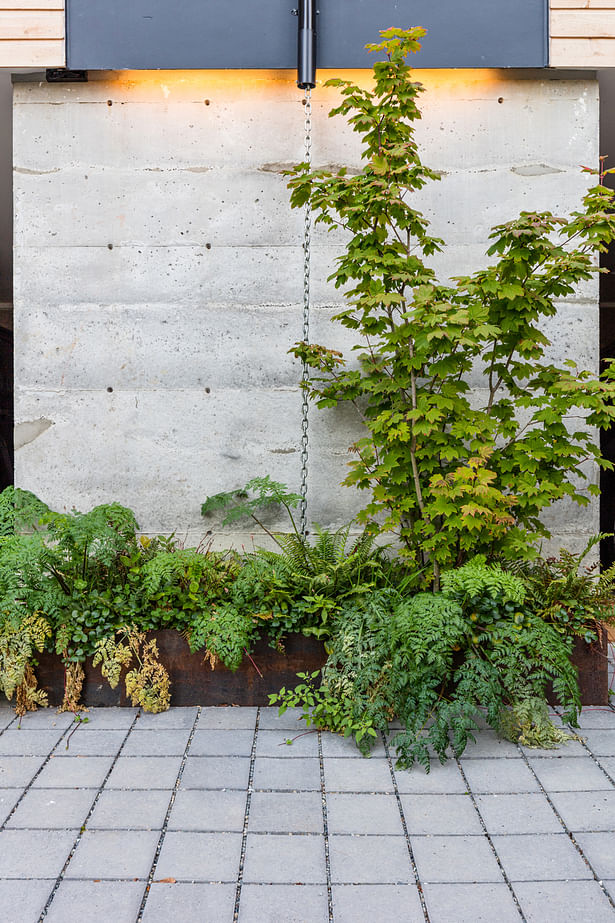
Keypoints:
pixel 450 474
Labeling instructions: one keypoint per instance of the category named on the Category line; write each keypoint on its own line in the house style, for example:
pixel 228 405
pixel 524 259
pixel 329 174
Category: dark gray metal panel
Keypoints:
pixel 150 34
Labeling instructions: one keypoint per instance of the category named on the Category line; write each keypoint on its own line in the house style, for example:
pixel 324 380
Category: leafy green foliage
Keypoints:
pixel 226 633
pixel 528 723
pixel 438 661
pixel 572 597
pixel 451 476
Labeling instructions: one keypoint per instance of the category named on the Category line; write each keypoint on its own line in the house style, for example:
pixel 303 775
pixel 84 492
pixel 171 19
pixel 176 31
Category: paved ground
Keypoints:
pixel 207 814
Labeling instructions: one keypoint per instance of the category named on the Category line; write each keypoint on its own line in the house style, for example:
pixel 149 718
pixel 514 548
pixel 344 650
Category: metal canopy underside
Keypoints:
pixel 152 34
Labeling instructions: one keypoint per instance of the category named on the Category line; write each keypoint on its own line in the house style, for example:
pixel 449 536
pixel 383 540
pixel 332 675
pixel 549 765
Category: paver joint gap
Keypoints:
pixel 569 832
pixel 325 824
pixel 246 819
pixel 490 841
pixel 89 814
pixel 178 779
pixel 405 829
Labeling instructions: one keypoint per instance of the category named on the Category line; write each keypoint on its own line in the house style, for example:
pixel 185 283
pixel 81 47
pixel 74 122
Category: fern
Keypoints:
pixel 225 632
pixel 528 723
pixel 113 657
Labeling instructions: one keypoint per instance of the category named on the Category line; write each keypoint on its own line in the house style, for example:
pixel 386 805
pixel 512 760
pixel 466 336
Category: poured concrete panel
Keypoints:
pixel 156 256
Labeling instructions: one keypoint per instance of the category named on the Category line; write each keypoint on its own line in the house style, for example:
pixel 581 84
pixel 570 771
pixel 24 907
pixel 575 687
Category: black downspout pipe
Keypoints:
pixel 306 47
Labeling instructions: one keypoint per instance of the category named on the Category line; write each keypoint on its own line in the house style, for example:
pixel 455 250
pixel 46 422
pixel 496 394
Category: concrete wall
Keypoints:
pixel 158 273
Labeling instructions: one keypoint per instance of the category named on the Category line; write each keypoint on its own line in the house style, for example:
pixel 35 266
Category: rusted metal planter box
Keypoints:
pixel 592 662
pixel 193 682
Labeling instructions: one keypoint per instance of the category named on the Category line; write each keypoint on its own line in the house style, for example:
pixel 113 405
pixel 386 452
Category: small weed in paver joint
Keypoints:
pixel 79 720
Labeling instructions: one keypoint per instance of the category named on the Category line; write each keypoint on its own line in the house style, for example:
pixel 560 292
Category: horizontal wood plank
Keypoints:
pixel 31 24
pixel 581 4
pixel 582 52
pixel 32 5
pixel 583 24
pixel 33 53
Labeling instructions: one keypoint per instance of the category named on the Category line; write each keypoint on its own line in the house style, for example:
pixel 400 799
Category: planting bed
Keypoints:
pixel 193 682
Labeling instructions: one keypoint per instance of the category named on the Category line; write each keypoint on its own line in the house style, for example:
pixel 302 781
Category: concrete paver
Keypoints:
pixel 478 902
pixel 210 814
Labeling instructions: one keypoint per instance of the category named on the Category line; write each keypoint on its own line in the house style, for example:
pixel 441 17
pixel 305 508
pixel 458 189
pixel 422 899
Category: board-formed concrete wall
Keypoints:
pixel 158 272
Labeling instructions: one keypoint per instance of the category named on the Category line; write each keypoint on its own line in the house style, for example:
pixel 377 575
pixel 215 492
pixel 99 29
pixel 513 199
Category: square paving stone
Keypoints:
pixel 489 744
pixel 94 743
pixel 441 779
pixel 222 743
pixel 586 810
pixel 208 811
pixel 599 849
pixel 53 809
pixel 441 814
pixel 290 720
pixel 200 857
pixel 336 745
pixel 273 858
pixel 485 776
pixel 600 742
pixel 344 775
pixel 210 772
pixel 284 904
pixel 196 903
pixel 74 772
pixel 563 901
pixel 572 748
pixel 118 719
pixel 274 744
pixel 591 718
pixel 46 719
pixel 145 772
pixel 8 799
pixel 540 857
pixel 570 775
pixel 455 859
pixel 529 813
pixel 157 743
pixel 76 901
pixel 34 853
pixel 398 903
pixel 113 854
pixel 176 717
pixel 287 775
pixel 139 810
pixel 610 887
pixel 369 860
pixel 7 717
pixel 37 742
pixel 26 899
pixel 221 717
pixel 606 762
pixel 18 771
pixel 471 903
pixel 364 814
pixel 286 812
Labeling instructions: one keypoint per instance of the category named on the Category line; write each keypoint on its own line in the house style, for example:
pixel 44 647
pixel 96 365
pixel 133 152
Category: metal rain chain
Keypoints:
pixel 306 80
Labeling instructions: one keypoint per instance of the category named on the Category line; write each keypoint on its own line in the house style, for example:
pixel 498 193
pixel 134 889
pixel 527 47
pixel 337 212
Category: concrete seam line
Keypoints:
pixel 246 819
pixel 165 824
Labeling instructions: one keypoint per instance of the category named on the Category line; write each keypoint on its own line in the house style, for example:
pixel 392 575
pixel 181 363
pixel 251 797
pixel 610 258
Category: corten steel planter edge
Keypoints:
pixel 193 682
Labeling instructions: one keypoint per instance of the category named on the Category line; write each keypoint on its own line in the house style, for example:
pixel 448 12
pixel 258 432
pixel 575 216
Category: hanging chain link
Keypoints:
pixel 307 235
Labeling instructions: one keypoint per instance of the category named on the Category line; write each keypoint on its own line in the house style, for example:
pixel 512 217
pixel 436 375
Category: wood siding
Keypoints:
pixel 32 33
pixel 582 33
